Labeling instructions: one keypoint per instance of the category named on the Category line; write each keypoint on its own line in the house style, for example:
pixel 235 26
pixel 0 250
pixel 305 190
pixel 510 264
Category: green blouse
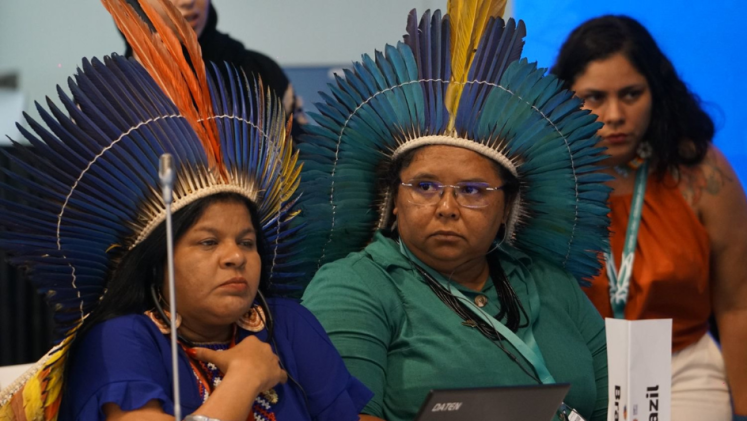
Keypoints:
pixel 401 341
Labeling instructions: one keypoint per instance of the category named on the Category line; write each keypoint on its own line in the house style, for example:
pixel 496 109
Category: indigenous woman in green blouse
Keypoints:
pixel 478 173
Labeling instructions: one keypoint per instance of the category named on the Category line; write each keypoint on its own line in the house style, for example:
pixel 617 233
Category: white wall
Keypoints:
pixel 308 32
pixel 45 40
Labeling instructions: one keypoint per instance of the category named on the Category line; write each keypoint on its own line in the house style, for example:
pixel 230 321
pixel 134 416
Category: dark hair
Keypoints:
pixel 680 131
pixel 128 287
pixel 510 305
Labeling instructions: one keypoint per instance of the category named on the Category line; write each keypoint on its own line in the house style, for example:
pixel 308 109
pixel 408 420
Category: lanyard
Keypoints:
pixel 528 348
pixel 620 281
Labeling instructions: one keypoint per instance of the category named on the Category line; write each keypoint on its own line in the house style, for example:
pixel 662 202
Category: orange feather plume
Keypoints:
pixel 162 54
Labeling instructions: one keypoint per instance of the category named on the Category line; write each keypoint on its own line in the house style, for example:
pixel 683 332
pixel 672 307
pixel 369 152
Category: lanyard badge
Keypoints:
pixel 566 413
pixel 620 281
pixel 527 347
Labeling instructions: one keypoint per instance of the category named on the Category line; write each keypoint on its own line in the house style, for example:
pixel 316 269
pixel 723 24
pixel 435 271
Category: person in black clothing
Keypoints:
pixel 219 47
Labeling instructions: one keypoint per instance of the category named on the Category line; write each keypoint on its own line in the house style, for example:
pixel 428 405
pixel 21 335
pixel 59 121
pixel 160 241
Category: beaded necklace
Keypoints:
pixel 208 377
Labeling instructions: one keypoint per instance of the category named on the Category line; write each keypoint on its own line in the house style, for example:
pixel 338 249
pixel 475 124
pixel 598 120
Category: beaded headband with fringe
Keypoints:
pixel 456 80
pixel 92 190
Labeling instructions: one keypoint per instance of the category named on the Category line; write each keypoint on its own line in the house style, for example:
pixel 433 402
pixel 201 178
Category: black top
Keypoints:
pixel 219 47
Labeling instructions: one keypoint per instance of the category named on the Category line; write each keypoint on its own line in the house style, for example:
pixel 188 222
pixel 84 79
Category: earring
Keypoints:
pixel 254 320
pixel 161 318
pixel 161 324
pixel 643 152
pixel 502 231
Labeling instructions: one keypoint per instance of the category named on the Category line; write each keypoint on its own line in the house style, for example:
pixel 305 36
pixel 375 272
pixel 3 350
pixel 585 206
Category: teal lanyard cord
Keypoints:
pixel 620 281
pixel 528 347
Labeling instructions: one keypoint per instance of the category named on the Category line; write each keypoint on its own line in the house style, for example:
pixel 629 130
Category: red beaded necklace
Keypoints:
pixel 209 377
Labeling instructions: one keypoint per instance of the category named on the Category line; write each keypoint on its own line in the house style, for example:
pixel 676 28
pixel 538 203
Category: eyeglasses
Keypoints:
pixel 468 194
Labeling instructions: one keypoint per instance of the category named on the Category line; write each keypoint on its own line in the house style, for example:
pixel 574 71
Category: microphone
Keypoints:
pixel 166 176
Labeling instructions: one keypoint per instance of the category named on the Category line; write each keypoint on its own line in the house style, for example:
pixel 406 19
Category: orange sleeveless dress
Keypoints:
pixel 671 269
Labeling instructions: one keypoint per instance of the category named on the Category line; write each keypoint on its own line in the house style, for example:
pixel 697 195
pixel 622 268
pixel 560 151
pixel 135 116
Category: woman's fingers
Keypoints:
pixel 251 357
pixel 202 354
pixel 283 376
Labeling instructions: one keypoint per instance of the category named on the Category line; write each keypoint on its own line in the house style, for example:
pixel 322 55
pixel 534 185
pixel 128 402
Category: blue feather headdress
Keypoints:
pixel 92 191
pixel 495 104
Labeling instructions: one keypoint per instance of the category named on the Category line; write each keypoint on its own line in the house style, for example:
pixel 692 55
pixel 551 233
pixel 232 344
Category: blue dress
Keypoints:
pixel 127 361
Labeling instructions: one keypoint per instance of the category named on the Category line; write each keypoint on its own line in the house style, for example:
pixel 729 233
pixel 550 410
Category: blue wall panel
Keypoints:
pixel 706 41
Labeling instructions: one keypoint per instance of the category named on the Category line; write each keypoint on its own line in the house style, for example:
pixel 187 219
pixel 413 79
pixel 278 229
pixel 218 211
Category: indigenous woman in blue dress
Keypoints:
pixel 121 362
pixel 92 228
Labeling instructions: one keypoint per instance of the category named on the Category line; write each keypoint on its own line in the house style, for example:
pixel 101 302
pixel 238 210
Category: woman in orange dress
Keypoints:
pixel 692 238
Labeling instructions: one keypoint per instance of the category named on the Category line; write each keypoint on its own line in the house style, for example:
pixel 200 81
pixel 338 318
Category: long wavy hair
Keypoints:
pixel 680 131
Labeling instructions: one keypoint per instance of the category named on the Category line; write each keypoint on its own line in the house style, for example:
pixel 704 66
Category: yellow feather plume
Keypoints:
pixel 468 20
pixel 37 394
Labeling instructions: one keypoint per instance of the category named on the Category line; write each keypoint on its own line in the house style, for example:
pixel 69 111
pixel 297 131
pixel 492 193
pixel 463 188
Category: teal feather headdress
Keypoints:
pixel 507 110
pixel 92 190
